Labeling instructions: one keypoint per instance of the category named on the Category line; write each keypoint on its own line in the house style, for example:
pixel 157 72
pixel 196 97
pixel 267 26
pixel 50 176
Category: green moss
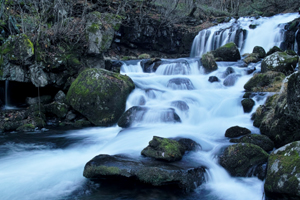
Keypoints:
pixel 229 45
pixel 101 170
pixel 144 56
pixel 93 28
pixel 26 127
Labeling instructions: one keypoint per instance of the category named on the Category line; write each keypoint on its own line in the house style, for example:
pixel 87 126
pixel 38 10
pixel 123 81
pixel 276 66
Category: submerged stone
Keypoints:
pixel 180 84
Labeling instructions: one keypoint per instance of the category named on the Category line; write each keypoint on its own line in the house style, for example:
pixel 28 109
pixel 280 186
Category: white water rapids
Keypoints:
pixel 31 170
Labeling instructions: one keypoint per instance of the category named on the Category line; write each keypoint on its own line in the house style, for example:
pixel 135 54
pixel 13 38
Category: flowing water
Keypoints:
pixel 49 165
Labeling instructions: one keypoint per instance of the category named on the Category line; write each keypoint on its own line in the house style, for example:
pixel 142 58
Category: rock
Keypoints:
pixel 247 105
pixel 133 114
pixel 236 131
pixel 230 80
pixel 164 149
pixel 58 109
pixel 273 50
pixel 228 52
pixel 26 128
pixel 252 58
pixel 100 95
pixel 247 95
pixel 279 117
pixel 228 71
pixel 82 123
pixel 70 116
pixel 181 105
pixel 18 50
pixel 250 70
pixel 38 77
pixel 150 65
pixel 180 84
pixel 265 82
pixel 260 140
pixel 189 145
pixel 240 159
pixel 36 100
pixel 186 176
pixel 144 56
pixel 213 79
pixel 209 63
pixel 282 181
pixel 100 29
pixel 60 96
pixel 280 62
pixel 113 65
pixel 290 52
pixel 260 51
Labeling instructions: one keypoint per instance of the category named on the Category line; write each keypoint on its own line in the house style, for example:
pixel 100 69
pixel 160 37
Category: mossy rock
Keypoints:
pixel 18 49
pixel 262 141
pixel 228 52
pixel 144 56
pixel 260 51
pixel 81 123
pixel 164 149
pixel 247 104
pixel 282 181
pixel 239 159
pixel 236 131
pixel 280 62
pixel 58 109
pixel 100 95
pixel 265 82
pixel 208 62
pixel 252 58
pixel 273 50
pixel 26 128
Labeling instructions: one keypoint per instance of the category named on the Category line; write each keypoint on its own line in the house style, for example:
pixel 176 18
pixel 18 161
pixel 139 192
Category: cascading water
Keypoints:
pixel 49 166
pixel 268 32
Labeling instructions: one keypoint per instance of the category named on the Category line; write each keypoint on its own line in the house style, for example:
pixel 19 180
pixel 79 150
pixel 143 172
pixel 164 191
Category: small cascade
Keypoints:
pixel 296 46
pixel 246 33
pixel 7 105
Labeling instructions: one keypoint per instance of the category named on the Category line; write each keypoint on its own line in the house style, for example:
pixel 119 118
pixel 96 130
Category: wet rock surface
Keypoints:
pixel 186 176
pixel 236 131
pixel 260 140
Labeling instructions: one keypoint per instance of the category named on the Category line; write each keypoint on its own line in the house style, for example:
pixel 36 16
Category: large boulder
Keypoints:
pixel 260 140
pixel 208 62
pixel 279 117
pixel 187 176
pixel 252 58
pixel 100 95
pixel 236 131
pixel 164 149
pixel 280 62
pixel 283 173
pixel 228 52
pixel 240 159
pixel 273 50
pixel 265 82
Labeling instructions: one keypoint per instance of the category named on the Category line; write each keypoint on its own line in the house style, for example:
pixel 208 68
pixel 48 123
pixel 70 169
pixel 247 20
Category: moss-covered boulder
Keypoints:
pixel 260 140
pixel 283 173
pixel 265 82
pixel 247 104
pixel 164 149
pixel 236 131
pixel 208 62
pixel 228 52
pixel 100 95
pixel 280 62
pixel 187 176
pixel 58 109
pixel 260 51
pixel 26 128
pixel 240 159
pixel 18 49
pixel 273 50
pixel 252 58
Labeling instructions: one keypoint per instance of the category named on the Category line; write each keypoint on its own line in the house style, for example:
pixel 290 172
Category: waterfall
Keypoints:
pixel 296 43
pixel 246 33
pixel 50 165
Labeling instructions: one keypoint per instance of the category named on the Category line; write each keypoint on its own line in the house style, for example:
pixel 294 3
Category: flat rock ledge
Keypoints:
pixel 181 174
